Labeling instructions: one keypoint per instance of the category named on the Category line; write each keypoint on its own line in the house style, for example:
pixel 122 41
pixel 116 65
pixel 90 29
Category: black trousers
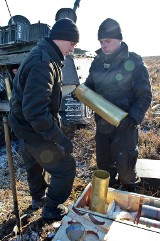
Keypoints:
pixel 117 152
pixel 43 156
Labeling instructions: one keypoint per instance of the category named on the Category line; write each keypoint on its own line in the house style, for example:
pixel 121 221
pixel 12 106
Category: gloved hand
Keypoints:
pixel 74 96
pixel 65 145
pixel 127 122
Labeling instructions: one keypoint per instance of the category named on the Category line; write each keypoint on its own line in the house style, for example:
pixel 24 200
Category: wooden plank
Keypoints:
pixel 123 232
pixel 83 200
pixel 148 168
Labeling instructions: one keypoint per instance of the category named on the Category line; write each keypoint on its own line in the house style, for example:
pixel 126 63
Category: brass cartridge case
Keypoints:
pixel 99 190
pixel 100 105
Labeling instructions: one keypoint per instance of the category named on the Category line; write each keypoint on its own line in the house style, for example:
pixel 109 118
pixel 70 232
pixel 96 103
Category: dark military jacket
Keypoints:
pixel 36 94
pixel 123 80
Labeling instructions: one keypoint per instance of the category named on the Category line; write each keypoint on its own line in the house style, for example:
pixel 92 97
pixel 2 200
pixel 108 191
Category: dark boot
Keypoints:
pixel 54 214
pixel 129 188
pixel 114 183
pixel 37 203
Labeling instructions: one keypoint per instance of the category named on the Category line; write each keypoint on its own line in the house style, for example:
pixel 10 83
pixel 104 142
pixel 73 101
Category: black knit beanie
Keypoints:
pixel 109 28
pixel 65 29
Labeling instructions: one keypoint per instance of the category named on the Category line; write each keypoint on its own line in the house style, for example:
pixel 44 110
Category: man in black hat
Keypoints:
pixel 120 77
pixel 34 118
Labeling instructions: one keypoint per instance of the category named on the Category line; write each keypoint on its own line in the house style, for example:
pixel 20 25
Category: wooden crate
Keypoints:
pixel 130 202
pixel 109 229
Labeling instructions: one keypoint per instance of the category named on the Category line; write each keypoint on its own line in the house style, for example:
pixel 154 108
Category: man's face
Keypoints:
pixel 110 45
pixel 66 46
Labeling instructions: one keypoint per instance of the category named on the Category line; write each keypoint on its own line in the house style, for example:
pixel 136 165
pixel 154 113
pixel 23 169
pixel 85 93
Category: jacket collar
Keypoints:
pixel 52 50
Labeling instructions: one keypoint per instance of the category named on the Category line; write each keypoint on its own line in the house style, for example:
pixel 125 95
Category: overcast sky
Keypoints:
pixel 139 19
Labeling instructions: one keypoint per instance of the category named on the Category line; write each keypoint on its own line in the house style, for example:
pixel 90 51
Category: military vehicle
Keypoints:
pixel 16 40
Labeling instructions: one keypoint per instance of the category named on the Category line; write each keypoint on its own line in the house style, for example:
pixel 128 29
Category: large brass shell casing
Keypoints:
pixel 98 199
pixel 100 105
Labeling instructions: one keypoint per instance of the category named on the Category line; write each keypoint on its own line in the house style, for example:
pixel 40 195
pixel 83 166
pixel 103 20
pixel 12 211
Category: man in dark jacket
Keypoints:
pixel 121 77
pixel 35 120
